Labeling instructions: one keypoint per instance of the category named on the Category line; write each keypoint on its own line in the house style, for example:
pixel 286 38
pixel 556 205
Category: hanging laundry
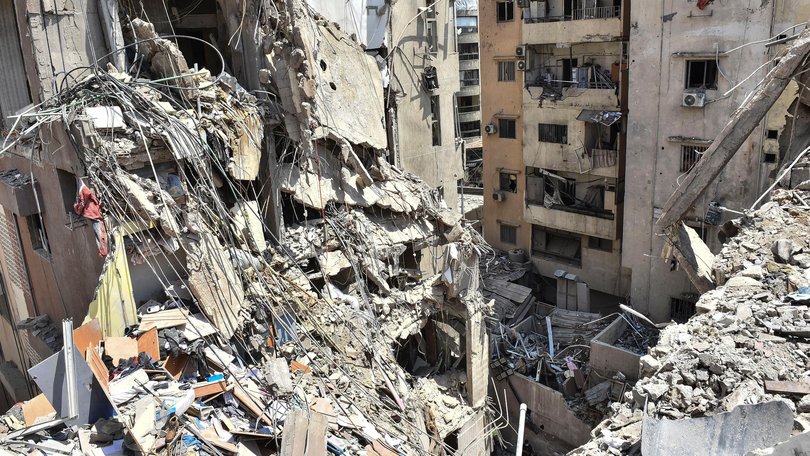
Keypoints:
pixel 89 207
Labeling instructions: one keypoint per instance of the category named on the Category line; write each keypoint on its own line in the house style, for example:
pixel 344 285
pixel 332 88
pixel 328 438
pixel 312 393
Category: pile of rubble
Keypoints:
pixel 746 347
pixel 251 339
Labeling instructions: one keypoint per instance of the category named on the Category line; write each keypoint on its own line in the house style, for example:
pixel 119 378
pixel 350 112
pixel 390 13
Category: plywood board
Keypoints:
pixel 148 343
pixel 87 335
pixel 38 406
pixel 120 348
pixel 176 365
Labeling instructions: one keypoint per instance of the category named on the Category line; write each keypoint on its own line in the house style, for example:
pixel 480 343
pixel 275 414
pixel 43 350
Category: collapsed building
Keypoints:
pixel 260 278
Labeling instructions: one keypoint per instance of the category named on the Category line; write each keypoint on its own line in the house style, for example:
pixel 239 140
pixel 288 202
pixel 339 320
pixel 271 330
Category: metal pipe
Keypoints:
pixel 70 369
pixel 550 337
pixel 521 428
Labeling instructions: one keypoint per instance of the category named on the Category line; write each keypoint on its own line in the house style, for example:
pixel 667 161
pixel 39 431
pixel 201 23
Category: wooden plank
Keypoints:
pixel 774 386
pixel 316 434
pixel 164 319
pixel 36 407
pixel 148 343
pixel 294 437
pixel 250 404
pixel 176 365
pixel 295 367
pixel 87 336
pixel 119 348
pixel 207 389
pixel 745 119
pixel 99 370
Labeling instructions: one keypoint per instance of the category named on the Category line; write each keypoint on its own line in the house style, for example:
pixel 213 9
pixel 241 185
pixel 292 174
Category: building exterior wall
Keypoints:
pixel 439 165
pixel 663 38
pixel 498 40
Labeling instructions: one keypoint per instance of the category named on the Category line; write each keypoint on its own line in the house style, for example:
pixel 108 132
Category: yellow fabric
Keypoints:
pixel 114 303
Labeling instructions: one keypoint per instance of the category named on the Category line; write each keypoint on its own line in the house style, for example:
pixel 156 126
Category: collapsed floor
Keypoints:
pixel 735 376
pixel 359 330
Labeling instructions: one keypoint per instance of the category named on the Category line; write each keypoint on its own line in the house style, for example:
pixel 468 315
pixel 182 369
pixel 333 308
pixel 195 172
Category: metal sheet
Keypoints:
pixel 606 118
pixel 49 376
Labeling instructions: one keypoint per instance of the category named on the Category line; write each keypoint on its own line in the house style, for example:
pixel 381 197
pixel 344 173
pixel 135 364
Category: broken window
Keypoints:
pixel 558 245
pixel 596 243
pixel 681 309
pixel 690 156
pixel 508 234
pixel 553 133
pixel 435 120
pixel 39 238
pixel 468 51
pixel 507 128
pixel 773 134
pixel 701 74
pixel 506 71
pixel 508 182
pixel 559 191
pixel 468 78
pixel 506 11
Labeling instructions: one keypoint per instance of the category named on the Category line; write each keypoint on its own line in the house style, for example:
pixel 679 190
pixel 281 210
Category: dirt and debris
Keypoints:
pixel 747 343
pixel 352 326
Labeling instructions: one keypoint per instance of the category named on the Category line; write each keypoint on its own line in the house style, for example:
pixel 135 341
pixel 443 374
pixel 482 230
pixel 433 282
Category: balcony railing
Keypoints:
pixel 598 12
pixel 472 108
pixel 469 82
pixel 467 30
pixel 471 133
pixel 468 56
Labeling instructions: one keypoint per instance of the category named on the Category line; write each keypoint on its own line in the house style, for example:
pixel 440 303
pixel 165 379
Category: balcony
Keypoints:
pixel 469 87
pixel 469 113
pixel 583 25
pixel 468 64
pixel 591 86
pixel 591 223
pixel 573 159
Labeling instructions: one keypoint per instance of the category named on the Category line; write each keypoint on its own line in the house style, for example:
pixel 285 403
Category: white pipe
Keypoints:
pixel 521 427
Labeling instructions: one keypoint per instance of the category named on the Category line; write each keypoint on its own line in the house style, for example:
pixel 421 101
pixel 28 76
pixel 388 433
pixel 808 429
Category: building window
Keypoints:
pixel 701 74
pixel 507 128
pixel 690 156
pixel 468 78
pixel 508 182
pixel 467 24
pixel 39 238
pixel 559 245
pixel 432 35
pixel 470 129
pixel 553 133
pixel 596 243
pixel 773 134
pixel 506 71
pixel 506 11
pixel 435 120
pixel 468 51
pixel 508 234
pixel 680 309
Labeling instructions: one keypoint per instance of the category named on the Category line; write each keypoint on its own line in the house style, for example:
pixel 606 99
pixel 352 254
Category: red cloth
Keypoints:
pixel 703 3
pixel 87 205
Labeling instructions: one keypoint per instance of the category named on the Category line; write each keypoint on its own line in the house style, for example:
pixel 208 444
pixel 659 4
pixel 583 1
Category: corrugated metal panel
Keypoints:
pixel 13 83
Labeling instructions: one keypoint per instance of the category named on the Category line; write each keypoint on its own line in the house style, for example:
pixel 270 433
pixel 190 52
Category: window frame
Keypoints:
pixel 511 127
pixel 508 13
pixel 704 85
pixel 505 227
pixel 435 120
pixel 504 182
pixel 691 154
pixel 38 235
pixel 505 74
pixel 601 244
pixel 547 132
pixel 543 251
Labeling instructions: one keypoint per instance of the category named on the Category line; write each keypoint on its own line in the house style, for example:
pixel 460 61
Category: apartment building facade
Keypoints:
pixel 690 68
pixel 554 110
pixel 610 107
pixel 468 98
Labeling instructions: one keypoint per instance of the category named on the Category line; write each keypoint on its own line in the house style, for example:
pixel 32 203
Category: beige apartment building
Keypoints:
pixel 607 109
pixel 553 78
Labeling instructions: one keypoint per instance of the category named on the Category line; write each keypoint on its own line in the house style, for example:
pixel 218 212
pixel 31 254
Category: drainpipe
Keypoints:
pixel 521 427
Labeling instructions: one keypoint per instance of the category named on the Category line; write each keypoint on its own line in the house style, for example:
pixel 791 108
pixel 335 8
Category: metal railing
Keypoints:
pixel 471 133
pixel 469 56
pixel 598 12
pixel 472 108
pixel 469 82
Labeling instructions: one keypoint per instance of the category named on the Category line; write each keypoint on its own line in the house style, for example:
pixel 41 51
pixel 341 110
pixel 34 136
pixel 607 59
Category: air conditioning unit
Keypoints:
pixel 498 196
pixel 523 3
pixel 491 129
pixel 520 51
pixel 693 100
pixel 521 65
